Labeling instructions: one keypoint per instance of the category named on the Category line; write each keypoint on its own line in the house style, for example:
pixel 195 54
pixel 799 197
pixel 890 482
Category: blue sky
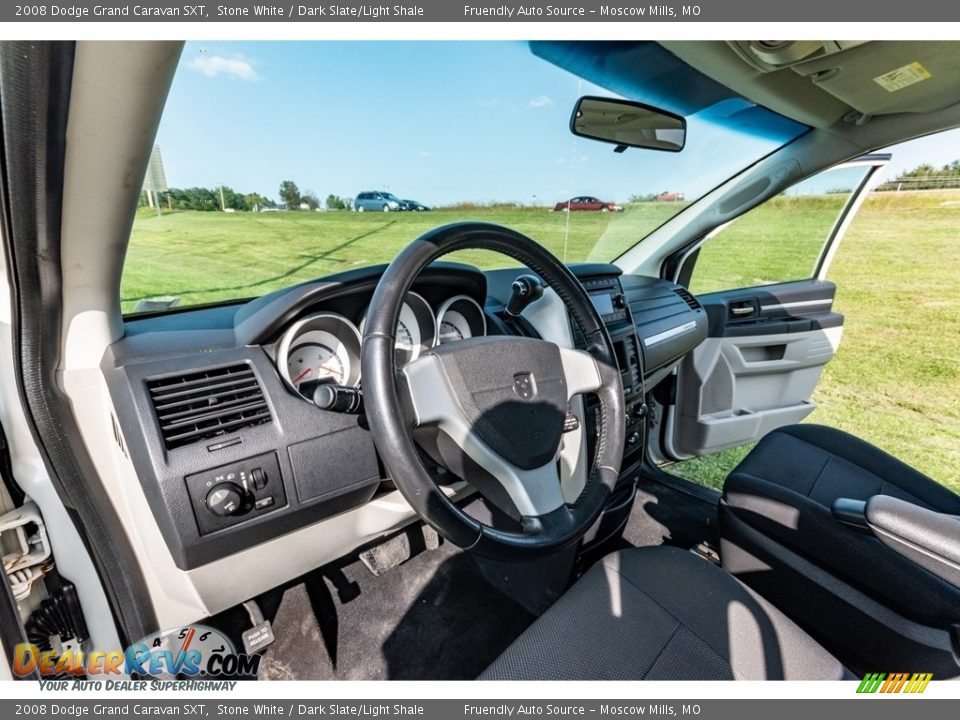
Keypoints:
pixel 437 121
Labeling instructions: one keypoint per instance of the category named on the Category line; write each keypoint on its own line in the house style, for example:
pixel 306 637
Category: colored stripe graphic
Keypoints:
pixel 919 682
pixel 870 683
pixel 894 682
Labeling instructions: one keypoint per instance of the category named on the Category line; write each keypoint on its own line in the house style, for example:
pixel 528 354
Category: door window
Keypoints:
pixel 780 240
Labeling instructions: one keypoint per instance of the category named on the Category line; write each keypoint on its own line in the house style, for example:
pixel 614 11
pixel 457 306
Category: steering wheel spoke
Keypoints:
pixel 581 372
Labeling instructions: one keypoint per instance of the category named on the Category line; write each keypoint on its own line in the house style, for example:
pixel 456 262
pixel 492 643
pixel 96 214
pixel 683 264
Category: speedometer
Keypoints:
pixel 416 329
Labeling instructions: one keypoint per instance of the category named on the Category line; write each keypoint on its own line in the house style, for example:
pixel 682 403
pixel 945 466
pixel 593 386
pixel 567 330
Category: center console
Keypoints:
pixel 610 301
pixel 652 324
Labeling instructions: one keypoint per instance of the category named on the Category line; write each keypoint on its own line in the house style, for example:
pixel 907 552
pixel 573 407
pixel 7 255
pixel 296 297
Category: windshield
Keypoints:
pixel 277 163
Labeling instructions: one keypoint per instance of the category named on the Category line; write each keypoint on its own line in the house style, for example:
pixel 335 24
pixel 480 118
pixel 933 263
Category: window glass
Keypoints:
pixel 278 163
pixel 780 240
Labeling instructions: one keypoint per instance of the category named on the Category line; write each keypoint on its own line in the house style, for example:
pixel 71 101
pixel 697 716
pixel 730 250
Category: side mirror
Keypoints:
pixel 628 124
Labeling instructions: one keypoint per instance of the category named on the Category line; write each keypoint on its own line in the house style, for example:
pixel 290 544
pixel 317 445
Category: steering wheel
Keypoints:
pixel 502 400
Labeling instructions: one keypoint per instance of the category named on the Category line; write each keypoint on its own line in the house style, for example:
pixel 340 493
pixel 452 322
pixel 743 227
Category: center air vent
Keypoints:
pixel 207 404
pixel 688 298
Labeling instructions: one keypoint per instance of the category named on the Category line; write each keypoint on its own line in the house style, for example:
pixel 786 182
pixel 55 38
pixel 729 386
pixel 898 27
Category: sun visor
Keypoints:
pixel 880 78
pixel 642 71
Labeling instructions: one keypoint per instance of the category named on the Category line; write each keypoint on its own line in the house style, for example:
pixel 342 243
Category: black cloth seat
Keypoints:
pixel 663 613
pixel 785 487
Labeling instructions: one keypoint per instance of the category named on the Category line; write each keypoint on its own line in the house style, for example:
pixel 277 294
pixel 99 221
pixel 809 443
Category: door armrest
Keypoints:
pixel 928 538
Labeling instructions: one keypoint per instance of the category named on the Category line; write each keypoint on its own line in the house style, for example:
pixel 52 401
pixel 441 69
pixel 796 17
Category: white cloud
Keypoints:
pixel 214 65
pixel 540 101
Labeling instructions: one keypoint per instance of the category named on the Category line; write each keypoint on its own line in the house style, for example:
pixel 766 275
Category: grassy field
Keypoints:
pixel 895 381
pixel 742 254
pixel 203 257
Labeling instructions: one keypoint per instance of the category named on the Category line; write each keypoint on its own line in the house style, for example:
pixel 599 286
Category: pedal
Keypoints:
pixel 707 551
pixel 398 549
pixel 388 555
pixel 431 538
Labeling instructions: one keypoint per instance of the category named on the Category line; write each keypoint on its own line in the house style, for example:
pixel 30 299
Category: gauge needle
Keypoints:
pixel 329 369
pixel 302 375
pixel 184 647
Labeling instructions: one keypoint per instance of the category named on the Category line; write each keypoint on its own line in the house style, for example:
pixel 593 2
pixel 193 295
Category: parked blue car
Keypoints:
pixel 378 201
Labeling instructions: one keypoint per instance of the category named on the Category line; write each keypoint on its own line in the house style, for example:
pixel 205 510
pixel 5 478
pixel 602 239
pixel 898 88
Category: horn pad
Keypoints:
pixel 512 392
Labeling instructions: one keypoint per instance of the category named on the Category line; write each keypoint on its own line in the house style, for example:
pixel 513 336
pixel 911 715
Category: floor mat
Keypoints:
pixel 433 617
pixel 663 515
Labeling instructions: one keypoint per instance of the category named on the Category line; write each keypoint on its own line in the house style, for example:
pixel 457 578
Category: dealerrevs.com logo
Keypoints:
pixel 188 652
pixel 894 682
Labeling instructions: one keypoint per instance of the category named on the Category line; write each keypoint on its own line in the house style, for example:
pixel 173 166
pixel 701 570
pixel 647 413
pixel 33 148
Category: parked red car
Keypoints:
pixel 585 202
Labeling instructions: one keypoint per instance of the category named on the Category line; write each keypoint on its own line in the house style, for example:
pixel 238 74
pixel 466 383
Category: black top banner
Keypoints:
pixel 480 11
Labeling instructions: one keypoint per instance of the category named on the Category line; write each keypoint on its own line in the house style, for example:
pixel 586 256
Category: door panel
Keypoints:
pixel 757 370
pixel 767 344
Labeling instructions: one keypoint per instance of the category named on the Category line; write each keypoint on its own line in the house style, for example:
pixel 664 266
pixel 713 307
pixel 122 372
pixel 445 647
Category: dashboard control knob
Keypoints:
pixel 619 301
pixel 225 499
pixel 259 478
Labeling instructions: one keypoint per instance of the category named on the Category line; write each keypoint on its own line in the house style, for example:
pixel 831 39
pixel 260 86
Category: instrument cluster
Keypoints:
pixel 325 346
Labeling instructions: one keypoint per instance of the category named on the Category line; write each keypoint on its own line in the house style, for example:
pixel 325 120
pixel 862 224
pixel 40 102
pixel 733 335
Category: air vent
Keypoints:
pixel 688 298
pixel 207 404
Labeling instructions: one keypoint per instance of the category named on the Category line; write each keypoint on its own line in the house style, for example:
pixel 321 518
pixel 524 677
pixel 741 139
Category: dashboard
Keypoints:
pixel 214 412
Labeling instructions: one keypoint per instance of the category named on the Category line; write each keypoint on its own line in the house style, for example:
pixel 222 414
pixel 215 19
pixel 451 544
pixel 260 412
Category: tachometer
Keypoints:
pixel 324 346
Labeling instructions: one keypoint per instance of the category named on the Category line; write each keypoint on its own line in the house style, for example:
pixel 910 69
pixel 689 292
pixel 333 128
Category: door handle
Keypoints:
pixel 745 310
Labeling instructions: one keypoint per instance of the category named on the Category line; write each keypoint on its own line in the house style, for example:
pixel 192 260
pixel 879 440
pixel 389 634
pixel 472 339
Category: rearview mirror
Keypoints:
pixel 628 124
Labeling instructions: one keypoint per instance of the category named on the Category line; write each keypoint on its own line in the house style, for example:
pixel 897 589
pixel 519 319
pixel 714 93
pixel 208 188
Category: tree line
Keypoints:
pixel 226 198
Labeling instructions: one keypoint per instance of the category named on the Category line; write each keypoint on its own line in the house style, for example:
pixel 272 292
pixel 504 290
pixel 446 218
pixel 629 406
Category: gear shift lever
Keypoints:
pixel 526 289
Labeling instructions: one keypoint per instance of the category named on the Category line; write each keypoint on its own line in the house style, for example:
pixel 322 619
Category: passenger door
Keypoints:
pixel 772 327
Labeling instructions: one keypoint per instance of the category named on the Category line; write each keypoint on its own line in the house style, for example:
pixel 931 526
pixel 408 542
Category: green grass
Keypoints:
pixel 895 381
pixel 204 257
